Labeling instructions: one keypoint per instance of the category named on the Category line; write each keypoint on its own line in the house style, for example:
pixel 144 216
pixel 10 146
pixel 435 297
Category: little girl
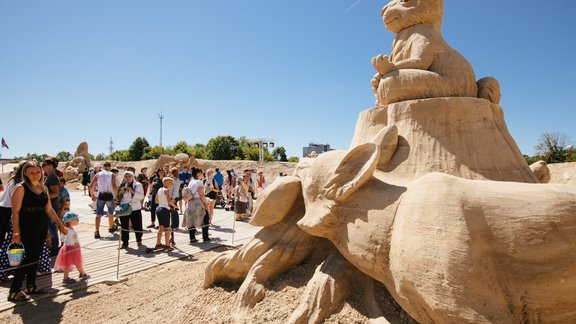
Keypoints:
pixel 70 255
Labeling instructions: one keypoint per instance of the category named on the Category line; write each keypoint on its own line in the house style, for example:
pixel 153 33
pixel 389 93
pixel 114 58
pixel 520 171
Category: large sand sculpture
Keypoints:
pixel 433 200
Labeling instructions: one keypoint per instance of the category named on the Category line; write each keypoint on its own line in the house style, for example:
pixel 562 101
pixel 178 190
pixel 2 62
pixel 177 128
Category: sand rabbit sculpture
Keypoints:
pixel 450 250
pixel 421 64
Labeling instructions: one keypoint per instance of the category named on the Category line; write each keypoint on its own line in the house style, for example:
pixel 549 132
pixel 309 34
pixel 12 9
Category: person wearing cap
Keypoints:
pixel 70 254
pixel 105 183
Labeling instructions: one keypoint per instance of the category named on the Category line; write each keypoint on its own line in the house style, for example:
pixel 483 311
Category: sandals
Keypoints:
pixel 17 297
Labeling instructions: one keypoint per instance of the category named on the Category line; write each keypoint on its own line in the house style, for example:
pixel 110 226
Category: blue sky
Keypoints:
pixel 296 71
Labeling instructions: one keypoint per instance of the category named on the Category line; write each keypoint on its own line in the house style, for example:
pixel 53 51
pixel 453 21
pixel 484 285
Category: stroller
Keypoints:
pixel 229 205
pixel 146 206
pixel 220 200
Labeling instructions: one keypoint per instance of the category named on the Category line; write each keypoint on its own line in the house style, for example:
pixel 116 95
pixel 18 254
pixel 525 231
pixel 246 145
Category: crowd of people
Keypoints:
pixel 35 210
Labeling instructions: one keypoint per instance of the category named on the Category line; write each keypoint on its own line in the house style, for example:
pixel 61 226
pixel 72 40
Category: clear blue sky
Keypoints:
pixel 296 71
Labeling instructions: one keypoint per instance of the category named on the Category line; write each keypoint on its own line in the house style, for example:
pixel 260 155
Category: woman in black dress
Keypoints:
pixel 30 211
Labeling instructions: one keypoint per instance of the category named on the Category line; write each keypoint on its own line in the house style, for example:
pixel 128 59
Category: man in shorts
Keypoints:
pixel 105 183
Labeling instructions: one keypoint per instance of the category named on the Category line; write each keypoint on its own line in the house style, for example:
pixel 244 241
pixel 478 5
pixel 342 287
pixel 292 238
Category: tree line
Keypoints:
pixel 552 147
pixel 217 148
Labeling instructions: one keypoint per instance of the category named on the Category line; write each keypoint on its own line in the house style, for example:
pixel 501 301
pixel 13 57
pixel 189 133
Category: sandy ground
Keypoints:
pixel 173 293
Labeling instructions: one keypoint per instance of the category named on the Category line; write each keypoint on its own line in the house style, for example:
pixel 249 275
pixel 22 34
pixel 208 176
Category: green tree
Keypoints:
pixel 250 152
pixel 222 148
pixel 64 156
pixel 198 151
pixel 121 155
pixel 32 157
pixel 279 154
pixel 181 147
pixel 293 159
pixel 136 150
pixel 552 147
pixel 101 157
pixel 531 159
pixel 152 152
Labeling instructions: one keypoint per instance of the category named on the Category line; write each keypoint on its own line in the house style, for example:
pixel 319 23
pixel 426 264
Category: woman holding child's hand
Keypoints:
pixel 31 208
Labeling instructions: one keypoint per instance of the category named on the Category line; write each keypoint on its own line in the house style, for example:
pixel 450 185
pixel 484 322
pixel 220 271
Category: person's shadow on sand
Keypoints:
pixel 46 310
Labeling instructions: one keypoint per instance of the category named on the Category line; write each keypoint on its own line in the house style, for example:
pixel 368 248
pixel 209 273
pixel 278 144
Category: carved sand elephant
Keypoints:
pixel 450 250
pixel 421 63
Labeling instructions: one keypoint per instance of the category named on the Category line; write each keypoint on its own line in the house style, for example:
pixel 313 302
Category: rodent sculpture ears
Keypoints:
pixel 276 201
pixel 355 169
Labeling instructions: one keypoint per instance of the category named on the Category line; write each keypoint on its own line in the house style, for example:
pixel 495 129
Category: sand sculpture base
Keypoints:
pixel 464 137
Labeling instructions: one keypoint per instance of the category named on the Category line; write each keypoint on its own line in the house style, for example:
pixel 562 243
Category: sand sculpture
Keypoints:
pixel 541 171
pixel 80 162
pixel 167 162
pixel 433 200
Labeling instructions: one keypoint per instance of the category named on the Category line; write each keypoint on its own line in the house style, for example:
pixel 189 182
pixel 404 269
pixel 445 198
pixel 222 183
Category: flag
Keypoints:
pixel 4 144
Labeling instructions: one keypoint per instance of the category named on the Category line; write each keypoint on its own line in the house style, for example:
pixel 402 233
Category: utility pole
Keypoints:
pixel 111 147
pixel 262 144
pixel 161 116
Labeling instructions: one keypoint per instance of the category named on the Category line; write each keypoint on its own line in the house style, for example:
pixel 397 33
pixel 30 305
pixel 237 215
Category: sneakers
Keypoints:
pixel 206 239
pixel 68 281
pixel 123 247
pixel 97 235
pixel 194 240
pixel 84 276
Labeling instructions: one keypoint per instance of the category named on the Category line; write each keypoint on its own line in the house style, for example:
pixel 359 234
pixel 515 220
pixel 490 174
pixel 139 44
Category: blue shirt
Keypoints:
pixel 185 176
pixel 64 195
pixel 219 179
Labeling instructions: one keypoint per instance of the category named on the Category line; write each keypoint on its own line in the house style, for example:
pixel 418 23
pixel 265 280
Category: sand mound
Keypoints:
pixel 563 173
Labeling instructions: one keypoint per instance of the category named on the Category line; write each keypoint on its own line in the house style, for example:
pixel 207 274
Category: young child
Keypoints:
pixel 164 201
pixel 70 255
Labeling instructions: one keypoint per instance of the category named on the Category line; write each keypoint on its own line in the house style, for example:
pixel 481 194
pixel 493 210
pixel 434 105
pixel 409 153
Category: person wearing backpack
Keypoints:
pixel 105 183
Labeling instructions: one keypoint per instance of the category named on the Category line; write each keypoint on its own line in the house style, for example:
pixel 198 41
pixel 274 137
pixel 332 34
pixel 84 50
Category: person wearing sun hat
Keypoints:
pixel 70 254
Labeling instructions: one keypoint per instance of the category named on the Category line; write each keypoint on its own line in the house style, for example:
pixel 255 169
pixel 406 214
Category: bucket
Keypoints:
pixel 15 254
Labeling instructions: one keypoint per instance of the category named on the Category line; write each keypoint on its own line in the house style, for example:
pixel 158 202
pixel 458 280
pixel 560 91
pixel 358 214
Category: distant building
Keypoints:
pixel 318 148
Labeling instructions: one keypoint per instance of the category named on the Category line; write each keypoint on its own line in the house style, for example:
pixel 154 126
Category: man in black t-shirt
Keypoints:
pixel 52 182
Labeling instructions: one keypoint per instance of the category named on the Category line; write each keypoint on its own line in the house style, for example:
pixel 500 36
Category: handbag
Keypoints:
pixel 123 210
pixel 186 194
pixel 242 199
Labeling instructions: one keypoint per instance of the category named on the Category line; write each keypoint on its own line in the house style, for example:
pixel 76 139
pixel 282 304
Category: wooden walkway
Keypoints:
pixel 101 256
